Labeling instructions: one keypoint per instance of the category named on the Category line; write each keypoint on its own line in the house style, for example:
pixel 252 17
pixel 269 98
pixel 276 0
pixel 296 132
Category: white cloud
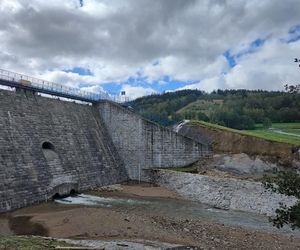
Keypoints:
pixel 136 91
pixel 269 68
pixel 118 39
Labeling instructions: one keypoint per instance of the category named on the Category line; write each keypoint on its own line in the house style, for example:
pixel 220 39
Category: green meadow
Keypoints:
pixel 280 132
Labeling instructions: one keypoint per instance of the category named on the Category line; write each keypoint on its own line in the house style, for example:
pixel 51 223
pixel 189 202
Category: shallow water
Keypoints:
pixel 180 209
pixel 92 200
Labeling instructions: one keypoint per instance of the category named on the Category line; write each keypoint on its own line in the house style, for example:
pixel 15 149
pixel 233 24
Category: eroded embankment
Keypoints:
pixel 224 141
pixel 224 193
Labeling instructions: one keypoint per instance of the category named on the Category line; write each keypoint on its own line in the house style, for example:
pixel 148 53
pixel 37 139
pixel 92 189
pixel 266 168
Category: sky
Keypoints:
pixel 152 46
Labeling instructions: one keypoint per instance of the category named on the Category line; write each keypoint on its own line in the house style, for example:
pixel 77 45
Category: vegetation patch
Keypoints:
pixel 29 243
pixel 187 169
pixel 238 109
pixel 287 183
pixel 191 168
pixel 266 134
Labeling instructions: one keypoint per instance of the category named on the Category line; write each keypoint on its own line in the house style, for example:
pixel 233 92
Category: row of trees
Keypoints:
pixel 239 109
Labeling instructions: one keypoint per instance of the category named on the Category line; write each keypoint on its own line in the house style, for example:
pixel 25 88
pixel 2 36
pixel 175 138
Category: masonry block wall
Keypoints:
pixel 49 146
pixel 143 144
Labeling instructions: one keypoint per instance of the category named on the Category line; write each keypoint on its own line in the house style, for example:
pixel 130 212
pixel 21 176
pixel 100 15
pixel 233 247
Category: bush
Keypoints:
pixel 287 183
pixel 267 123
pixel 202 117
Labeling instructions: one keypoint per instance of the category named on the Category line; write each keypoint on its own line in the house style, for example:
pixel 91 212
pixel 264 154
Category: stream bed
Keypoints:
pixel 178 208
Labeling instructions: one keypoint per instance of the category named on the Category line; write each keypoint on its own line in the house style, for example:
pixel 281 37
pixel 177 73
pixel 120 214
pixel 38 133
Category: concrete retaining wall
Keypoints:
pixel 143 144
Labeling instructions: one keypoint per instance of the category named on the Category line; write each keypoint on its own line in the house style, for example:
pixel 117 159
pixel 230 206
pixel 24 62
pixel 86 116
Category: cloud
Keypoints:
pixel 120 39
pixel 271 67
pixel 136 91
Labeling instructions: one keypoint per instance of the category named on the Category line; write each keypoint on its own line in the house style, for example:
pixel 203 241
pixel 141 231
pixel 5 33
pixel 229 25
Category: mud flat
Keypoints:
pixel 150 218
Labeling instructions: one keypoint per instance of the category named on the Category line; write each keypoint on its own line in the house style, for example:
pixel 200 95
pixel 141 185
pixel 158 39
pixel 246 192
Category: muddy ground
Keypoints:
pixel 83 222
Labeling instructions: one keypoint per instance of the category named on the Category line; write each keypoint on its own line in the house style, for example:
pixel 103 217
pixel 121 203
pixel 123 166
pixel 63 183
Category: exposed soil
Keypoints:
pixel 17 225
pixel 234 143
pixel 79 222
pixel 139 190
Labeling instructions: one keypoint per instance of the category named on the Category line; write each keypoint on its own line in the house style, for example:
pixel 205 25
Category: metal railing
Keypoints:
pixel 38 84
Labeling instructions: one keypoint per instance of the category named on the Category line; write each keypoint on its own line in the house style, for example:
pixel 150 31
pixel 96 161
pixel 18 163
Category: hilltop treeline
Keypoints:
pixel 239 109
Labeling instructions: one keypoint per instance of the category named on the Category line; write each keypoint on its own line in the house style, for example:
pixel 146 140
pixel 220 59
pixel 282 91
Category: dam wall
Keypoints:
pixel 143 144
pixel 50 147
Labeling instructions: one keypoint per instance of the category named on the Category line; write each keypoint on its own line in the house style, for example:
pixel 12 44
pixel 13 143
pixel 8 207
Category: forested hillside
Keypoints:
pixel 240 109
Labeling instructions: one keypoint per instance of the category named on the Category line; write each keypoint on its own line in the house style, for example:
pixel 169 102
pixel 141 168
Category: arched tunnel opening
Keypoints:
pixel 48 145
pixel 73 192
pixel 58 195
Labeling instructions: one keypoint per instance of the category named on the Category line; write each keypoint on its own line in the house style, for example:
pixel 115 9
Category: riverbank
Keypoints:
pixel 223 193
pixel 132 223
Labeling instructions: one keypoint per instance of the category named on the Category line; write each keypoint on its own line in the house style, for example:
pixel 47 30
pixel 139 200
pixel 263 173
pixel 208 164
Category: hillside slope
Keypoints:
pixel 239 109
pixel 226 140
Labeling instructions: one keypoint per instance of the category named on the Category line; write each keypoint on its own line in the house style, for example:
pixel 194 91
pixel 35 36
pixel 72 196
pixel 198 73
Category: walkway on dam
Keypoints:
pixel 16 80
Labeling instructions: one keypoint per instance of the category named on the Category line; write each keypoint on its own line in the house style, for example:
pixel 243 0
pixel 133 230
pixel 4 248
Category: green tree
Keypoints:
pixel 267 123
pixel 292 88
pixel 287 183
pixel 202 117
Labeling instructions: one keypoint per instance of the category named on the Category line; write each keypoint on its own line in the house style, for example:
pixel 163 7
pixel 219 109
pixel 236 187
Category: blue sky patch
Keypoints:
pixel 112 88
pixel 294 29
pixel 80 71
pixel 253 46
pixel 167 83
pixel 230 59
pixel 294 32
pixel 159 85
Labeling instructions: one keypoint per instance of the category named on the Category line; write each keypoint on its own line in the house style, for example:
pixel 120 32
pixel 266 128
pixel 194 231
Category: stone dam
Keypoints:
pixel 50 147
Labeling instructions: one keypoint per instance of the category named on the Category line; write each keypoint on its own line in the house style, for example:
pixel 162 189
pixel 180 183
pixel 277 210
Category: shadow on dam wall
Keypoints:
pixel 51 147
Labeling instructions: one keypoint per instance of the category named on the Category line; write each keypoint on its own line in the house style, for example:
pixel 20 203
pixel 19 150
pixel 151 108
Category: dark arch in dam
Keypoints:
pixel 48 145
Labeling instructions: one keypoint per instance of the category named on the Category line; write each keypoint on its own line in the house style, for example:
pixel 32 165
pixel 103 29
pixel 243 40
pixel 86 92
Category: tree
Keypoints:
pixel 294 89
pixel 202 117
pixel 287 183
pixel 267 123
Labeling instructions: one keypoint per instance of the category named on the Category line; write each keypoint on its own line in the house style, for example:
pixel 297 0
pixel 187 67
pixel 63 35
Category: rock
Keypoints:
pixel 224 193
pixel 217 240
pixel 110 188
pixel 242 164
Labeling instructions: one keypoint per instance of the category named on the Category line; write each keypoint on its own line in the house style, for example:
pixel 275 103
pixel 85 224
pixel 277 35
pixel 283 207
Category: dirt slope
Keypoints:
pixel 224 141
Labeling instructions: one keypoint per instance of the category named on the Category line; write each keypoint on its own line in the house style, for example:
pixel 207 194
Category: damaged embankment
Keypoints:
pixel 239 154
pixel 225 140
pixel 223 193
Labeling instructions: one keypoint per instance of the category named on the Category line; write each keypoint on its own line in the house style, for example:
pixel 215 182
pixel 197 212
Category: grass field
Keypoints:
pixel 293 130
pixel 29 243
pixel 204 106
